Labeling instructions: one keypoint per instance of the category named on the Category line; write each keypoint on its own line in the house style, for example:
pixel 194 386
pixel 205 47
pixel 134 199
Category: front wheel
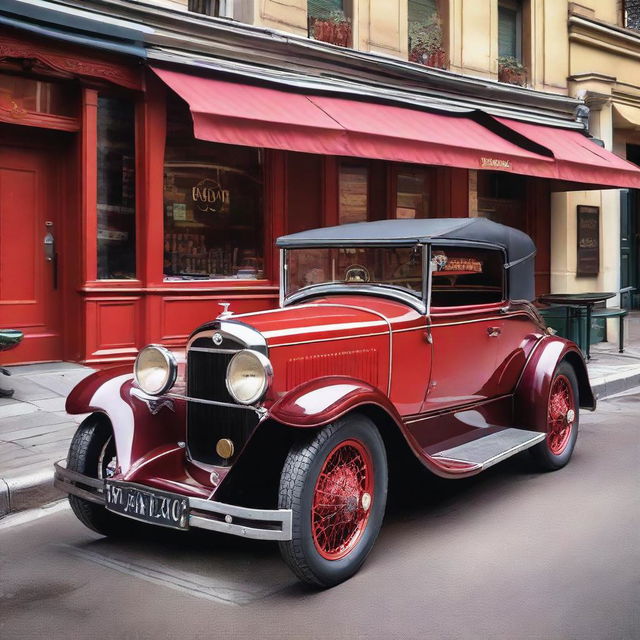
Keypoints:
pixel 335 483
pixel 562 421
pixel 93 453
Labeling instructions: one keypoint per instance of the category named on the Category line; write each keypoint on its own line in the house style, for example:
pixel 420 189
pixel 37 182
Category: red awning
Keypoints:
pixel 260 117
pixel 578 159
pixel 235 113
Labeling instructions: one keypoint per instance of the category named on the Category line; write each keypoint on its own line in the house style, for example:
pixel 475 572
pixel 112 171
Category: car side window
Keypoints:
pixel 462 276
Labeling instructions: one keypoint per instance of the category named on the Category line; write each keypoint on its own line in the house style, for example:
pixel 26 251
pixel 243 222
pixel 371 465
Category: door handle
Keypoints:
pixel 50 255
pixel 494 332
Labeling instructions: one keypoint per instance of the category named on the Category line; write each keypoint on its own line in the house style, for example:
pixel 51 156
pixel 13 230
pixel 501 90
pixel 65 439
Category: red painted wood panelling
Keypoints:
pixel 114 330
pixel 89 183
pixel 69 59
pixel 182 314
pixel 304 192
pixel 29 292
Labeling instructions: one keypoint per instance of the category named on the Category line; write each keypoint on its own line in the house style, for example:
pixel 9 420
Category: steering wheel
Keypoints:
pixel 356 273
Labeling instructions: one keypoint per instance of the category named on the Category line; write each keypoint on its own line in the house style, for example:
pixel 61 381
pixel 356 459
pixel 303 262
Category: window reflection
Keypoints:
pixel 212 206
pixel 116 189
pixel 354 193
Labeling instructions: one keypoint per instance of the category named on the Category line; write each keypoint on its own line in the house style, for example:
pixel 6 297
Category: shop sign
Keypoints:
pixel 495 163
pixel 588 241
pixel 209 196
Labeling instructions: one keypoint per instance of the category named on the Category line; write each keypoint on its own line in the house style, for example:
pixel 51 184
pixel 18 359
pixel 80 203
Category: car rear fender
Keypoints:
pixel 322 400
pixel 140 423
pixel 533 388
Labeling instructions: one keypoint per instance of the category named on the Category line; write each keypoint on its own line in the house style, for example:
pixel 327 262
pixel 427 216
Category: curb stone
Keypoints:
pixel 27 492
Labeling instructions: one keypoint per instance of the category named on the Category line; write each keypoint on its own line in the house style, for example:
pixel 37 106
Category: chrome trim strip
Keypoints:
pixel 214 350
pixel 281 518
pixel 382 291
pixel 62 473
pixel 503 455
pixel 249 337
pixel 216 402
pixel 330 339
pixel 433 325
pixel 77 491
pixel 283 274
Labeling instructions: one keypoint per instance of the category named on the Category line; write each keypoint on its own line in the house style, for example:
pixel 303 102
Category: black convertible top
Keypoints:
pixel 518 246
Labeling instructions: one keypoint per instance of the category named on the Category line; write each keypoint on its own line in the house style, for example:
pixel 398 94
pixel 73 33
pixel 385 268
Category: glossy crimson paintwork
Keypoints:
pixel 532 392
pixel 440 379
pixel 320 401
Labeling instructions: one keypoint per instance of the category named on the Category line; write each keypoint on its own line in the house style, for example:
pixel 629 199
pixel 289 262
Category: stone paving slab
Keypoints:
pixel 35 431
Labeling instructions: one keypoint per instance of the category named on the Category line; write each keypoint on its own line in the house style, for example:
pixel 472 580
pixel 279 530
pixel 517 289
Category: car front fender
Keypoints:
pixel 534 386
pixel 140 423
pixel 323 400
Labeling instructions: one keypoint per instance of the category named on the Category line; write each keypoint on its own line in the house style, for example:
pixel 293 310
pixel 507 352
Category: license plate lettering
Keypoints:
pixel 153 506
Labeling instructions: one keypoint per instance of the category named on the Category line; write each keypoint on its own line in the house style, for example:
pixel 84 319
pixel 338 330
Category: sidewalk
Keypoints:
pixel 35 431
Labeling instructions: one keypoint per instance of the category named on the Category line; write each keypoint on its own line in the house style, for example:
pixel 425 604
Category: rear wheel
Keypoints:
pixel 562 421
pixel 93 453
pixel 335 482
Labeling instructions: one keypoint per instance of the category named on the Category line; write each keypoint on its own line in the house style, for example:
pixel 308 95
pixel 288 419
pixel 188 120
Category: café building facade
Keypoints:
pixel 142 185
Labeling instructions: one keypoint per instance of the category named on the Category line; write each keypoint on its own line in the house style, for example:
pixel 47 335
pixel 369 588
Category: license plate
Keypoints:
pixel 148 505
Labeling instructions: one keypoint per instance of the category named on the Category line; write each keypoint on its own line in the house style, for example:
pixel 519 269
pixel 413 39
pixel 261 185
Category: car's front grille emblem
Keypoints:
pixel 217 339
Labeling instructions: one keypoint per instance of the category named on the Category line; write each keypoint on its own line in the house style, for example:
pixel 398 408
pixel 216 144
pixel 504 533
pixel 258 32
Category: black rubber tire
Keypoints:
pixel 297 483
pixel 84 455
pixel 542 456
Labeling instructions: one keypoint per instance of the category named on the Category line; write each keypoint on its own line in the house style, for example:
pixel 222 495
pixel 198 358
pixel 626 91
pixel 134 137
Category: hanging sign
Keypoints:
pixel 588 241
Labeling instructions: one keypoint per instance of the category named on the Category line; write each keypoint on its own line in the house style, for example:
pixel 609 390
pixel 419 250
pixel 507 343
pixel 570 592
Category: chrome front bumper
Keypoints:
pixel 260 524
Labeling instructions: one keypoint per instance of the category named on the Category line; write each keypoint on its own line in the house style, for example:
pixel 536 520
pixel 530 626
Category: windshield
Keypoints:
pixel 391 266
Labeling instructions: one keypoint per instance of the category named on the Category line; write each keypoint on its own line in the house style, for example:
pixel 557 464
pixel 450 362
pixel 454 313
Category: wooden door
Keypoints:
pixel 29 288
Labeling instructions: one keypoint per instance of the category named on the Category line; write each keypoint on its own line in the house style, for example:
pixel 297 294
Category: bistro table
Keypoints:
pixel 572 300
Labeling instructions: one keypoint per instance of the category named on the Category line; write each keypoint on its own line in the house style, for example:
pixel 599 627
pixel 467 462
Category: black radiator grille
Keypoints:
pixel 207 423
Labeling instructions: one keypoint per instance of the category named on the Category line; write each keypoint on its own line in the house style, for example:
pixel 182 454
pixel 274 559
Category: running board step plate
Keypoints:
pixel 490 449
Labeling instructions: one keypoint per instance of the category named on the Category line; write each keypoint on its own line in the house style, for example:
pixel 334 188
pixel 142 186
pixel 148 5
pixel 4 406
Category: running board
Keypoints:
pixel 488 450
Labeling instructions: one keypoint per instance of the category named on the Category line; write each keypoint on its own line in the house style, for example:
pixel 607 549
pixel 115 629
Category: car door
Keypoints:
pixel 467 288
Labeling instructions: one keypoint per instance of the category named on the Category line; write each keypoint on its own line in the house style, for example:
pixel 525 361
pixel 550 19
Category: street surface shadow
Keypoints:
pixel 236 571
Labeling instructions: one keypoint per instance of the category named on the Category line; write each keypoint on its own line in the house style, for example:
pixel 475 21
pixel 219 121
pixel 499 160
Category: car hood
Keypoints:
pixel 318 320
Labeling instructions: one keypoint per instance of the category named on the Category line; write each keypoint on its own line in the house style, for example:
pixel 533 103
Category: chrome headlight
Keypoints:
pixel 248 376
pixel 155 370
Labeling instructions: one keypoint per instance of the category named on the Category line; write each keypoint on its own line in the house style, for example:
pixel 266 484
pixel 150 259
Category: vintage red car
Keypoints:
pixel 391 336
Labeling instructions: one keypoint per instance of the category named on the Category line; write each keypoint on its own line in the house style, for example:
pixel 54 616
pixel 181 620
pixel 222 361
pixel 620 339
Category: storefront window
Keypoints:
pixel 20 95
pixel 212 206
pixel 354 193
pixel 412 193
pixel 116 189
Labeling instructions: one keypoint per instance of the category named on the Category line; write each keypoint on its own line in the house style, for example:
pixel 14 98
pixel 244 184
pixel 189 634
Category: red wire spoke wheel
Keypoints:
pixel 334 481
pixel 560 415
pixel 562 421
pixel 342 500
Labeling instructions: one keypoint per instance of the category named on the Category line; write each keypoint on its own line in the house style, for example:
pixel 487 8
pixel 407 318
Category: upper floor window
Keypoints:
pixel 510 29
pixel 425 33
pixel 329 21
pixel 219 8
pixel 632 14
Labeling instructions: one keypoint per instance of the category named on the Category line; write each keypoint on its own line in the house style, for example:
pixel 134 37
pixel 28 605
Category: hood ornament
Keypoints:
pixel 225 312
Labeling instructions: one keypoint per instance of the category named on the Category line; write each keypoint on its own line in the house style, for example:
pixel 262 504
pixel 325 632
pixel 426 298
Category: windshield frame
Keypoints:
pixel 418 300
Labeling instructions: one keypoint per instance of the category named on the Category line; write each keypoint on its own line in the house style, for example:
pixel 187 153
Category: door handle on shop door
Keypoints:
pixel 50 254
pixel 494 332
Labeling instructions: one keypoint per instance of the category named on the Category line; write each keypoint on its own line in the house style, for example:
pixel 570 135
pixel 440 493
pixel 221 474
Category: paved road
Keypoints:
pixel 509 554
